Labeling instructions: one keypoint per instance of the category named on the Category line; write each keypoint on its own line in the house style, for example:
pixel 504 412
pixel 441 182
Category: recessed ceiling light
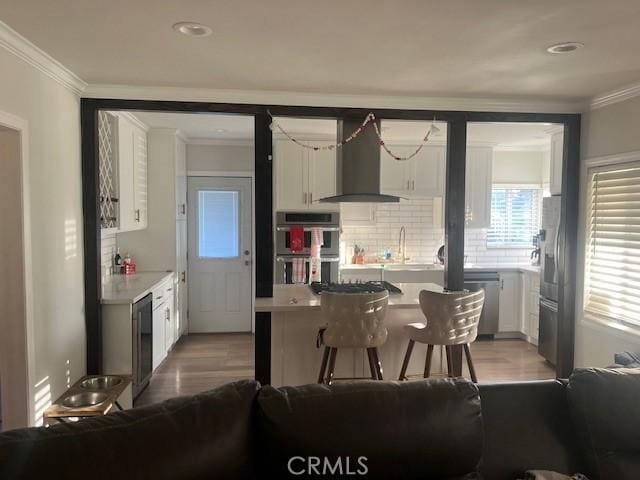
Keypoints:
pixel 192 29
pixel 221 130
pixel 565 47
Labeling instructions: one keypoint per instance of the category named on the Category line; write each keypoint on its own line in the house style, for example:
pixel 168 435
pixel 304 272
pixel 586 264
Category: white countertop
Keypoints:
pixel 124 289
pixel 293 298
pixel 418 267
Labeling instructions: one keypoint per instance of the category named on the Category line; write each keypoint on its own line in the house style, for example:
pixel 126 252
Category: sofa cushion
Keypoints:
pixel 605 404
pixel 204 436
pixel 402 430
pixel 527 425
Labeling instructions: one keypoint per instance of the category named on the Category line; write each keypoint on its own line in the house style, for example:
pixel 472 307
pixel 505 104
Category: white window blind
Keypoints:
pixel 515 217
pixel 612 284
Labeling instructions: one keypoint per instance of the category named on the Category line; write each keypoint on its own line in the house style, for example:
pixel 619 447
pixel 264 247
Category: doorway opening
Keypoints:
pixel 15 403
pixel 176 200
pixel 512 215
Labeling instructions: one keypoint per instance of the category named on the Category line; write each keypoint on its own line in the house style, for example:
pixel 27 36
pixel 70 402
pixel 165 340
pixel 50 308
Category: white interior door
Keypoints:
pixel 220 255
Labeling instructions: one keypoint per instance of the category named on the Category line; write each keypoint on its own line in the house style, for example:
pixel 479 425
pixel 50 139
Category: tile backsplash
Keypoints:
pixel 423 239
pixel 108 250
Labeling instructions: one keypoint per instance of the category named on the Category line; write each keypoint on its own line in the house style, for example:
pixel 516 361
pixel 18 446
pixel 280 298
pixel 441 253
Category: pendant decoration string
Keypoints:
pixel 369 119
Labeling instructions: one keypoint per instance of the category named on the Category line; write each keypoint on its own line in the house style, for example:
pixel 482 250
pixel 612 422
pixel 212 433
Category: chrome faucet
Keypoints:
pixel 402 245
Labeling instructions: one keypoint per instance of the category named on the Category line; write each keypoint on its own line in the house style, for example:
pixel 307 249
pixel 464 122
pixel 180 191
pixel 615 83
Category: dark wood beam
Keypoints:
pixel 568 248
pixel 91 236
pixel 264 242
pixel 454 211
pixel 454 218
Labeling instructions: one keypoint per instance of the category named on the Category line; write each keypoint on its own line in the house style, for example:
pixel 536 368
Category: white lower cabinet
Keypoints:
pixel 509 313
pixel 158 328
pixel 163 322
pixel 530 298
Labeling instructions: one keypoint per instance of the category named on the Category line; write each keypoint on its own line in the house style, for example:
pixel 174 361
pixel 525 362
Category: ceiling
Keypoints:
pixel 481 48
pixel 202 126
pixel 197 127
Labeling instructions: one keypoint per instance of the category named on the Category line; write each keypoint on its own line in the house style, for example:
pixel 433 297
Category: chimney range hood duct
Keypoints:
pixel 358 163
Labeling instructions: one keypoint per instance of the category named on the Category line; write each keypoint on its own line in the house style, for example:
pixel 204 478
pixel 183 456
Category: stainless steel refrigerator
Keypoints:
pixel 549 251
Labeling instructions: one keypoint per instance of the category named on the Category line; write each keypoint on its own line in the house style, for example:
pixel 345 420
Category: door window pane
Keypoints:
pixel 218 224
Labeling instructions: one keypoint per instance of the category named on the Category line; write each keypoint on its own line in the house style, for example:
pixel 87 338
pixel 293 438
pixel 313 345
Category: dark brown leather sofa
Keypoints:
pixel 434 429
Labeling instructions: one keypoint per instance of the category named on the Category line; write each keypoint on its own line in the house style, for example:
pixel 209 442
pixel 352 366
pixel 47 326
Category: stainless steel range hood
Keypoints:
pixel 358 164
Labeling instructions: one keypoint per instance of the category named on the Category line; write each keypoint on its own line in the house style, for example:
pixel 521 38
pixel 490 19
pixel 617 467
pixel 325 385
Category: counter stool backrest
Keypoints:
pixel 452 317
pixel 354 320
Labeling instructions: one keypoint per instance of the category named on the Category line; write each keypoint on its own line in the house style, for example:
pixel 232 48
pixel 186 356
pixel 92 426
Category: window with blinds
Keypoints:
pixel 515 217
pixel 612 283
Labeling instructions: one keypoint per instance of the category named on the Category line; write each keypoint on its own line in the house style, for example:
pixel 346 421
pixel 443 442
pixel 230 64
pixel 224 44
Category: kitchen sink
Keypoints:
pixel 103 382
pixel 84 399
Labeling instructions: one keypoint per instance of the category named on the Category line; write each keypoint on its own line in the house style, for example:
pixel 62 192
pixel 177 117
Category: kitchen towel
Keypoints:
pixel 296 239
pixel 299 270
pixel 317 240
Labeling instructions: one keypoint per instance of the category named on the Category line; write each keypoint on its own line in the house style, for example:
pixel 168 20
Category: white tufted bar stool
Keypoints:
pixel 452 319
pixel 354 320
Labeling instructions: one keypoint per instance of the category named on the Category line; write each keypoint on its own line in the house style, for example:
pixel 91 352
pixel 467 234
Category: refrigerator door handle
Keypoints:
pixel 548 305
pixel 557 249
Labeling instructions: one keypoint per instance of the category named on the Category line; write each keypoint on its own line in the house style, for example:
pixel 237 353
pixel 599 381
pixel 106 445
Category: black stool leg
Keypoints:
pixel 405 362
pixel 372 364
pixel 323 365
pixel 447 349
pixel 378 364
pixel 332 365
pixel 472 370
pixel 427 362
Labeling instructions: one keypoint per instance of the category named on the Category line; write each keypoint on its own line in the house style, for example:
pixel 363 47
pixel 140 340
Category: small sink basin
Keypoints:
pixel 103 382
pixel 84 399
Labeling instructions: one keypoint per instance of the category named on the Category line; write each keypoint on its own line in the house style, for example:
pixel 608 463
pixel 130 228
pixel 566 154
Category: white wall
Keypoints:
pixel 228 158
pixel 605 131
pixel 55 196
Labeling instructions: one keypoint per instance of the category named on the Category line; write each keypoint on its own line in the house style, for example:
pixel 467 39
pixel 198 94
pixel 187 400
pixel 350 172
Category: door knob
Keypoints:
pixel 247 262
pixel 246 252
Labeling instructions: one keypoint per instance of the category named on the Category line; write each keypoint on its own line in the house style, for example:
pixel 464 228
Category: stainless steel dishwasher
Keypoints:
pixel 490 282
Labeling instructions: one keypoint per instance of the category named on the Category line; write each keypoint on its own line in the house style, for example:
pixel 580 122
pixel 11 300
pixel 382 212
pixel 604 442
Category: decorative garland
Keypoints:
pixel 370 118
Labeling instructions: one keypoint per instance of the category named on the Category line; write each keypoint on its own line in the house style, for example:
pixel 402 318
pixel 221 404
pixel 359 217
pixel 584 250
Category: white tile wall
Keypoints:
pixel 423 240
pixel 107 252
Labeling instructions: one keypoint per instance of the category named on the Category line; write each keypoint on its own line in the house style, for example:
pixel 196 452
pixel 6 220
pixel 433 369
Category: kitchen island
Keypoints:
pixel 296 318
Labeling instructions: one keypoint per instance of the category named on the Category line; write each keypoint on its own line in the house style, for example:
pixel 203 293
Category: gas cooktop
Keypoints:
pixel 358 287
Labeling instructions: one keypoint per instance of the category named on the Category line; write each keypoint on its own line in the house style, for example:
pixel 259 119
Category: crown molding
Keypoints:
pixel 522 148
pixel 615 96
pixel 138 92
pixel 38 58
pixel 226 142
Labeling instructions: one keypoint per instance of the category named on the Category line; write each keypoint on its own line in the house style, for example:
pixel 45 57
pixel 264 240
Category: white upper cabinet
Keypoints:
pixel 322 175
pixel 394 177
pixel 420 177
pixel 556 155
pixel 132 174
pixel 140 178
pixel 428 169
pixel 181 181
pixel 478 187
pixel 304 176
pixel 126 174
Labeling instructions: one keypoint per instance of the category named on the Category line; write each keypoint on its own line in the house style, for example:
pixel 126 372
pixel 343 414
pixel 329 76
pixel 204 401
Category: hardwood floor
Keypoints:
pixel 200 362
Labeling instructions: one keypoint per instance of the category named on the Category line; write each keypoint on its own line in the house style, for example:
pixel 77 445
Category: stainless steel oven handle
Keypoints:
pixel 308 229
pixel 322 259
